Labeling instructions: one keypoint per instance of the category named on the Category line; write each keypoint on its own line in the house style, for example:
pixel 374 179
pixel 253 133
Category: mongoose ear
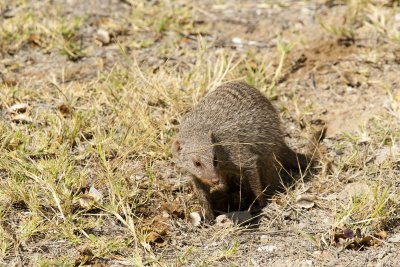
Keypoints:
pixel 176 148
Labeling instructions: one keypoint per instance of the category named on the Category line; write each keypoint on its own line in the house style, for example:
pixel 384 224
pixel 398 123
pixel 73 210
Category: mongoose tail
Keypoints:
pixel 294 161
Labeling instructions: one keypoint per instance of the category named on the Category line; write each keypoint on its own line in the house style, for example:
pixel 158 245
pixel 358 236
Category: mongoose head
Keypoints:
pixel 197 156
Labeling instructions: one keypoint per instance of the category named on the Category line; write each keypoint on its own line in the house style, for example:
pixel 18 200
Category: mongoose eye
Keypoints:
pixel 215 161
pixel 197 163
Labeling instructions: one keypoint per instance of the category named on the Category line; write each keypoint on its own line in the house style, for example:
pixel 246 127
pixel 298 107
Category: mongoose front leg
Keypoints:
pixel 253 177
pixel 220 197
pixel 202 192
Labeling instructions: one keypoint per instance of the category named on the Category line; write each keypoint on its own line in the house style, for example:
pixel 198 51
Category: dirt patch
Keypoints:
pixel 340 83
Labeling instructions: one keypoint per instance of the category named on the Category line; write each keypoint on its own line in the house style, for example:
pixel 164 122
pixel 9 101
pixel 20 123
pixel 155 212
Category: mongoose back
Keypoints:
pixel 233 136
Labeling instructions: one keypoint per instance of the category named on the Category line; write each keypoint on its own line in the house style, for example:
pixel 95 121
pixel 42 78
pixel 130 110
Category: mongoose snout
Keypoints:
pixel 233 138
pixel 199 161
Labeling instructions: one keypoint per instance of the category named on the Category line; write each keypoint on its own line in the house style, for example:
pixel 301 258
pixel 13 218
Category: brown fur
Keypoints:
pixel 232 138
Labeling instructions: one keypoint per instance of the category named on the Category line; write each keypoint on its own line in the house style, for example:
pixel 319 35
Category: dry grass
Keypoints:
pixel 86 174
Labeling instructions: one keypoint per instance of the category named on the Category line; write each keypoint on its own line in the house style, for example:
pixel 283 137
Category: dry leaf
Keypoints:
pixel 156 230
pixel 381 235
pixel 175 209
pixel 278 200
pixel 348 233
pixel 21 118
pixel 18 108
pixel 85 251
pixel 95 194
pixel 347 239
pixel 351 79
pixel 156 237
pixel 64 109
pixel 35 40
pixel 86 201
pixel 85 255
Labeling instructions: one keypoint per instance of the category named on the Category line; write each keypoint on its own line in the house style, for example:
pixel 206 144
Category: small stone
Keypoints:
pixel 224 221
pixel 9 12
pixel 387 153
pixel 394 239
pixel 307 263
pixel 195 218
pixel 254 262
pixel 237 40
pixel 267 248
pixel 139 177
pixel 305 201
pixel 233 218
pixel 265 238
pixel 103 36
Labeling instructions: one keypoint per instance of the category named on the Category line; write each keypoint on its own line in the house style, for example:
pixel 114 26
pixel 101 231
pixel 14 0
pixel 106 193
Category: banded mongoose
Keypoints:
pixel 233 136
